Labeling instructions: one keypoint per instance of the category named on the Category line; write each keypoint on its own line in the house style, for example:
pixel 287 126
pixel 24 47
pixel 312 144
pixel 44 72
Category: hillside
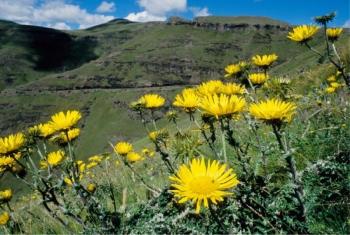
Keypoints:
pixel 91 67
pixel 125 54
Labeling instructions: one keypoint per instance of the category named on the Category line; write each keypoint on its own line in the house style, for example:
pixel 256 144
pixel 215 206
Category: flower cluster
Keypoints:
pixel 333 83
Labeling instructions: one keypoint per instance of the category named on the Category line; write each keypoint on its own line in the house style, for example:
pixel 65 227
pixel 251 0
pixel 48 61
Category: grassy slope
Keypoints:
pixel 29 52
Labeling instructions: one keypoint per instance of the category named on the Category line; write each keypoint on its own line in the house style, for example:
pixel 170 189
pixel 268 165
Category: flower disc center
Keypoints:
pixel 203 185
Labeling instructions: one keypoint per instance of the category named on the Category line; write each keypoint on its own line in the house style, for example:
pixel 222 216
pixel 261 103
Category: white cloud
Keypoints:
pixel 200 11
pixel 144 16
pixel 105 7
pixel 347 24
pixel 50 13
pixel 156 10
pixel 59 25
pixel 160 7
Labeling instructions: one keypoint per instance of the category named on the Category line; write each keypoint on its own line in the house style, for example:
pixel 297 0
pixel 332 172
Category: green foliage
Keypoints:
pixel 327 187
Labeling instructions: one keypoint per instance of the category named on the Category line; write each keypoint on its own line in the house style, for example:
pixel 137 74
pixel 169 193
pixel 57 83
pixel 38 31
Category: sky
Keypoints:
pixel 81 14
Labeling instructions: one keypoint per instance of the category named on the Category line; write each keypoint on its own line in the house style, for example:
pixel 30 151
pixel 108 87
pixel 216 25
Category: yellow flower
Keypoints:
pixel 45 130
pixel 303 33
pixel 4 218
pixel 264 61
pixel 123 148
pixel 11 143
pixel 148 153
pixel 258 78
pixel 63 121
pixel 333 33
pixel 209 87
pixel 157 135
pixel 335 84
pixel 188 100
pixel 96 158
pixel 283 81
pixel 6 195
pixel 91 188
pixel 199 182
pixel 243 64
pixel 273 111
pixel 332 78
pixel 6 162
pixel 53 159
pixel 151 101
pixel 330 90
pixel 222 105
pixel 62 137
pixel 34 130
pixel 68 181
pixel 133 157
pixel 232 69
pixel 232 89
pixel 81 166
pixel 92 164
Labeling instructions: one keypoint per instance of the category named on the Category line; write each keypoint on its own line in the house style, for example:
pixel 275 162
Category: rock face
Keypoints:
pixel 221 27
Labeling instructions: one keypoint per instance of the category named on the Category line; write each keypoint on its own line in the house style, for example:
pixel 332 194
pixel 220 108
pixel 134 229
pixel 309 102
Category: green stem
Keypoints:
pixel 223 140
pixel 210 143
pixel 149 187
pixel 154 120
pixel 298 190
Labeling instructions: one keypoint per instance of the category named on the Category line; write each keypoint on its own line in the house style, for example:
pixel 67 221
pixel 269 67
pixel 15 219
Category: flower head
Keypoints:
pixel 209 87
pixel 221 105
pixel 330 90
pixel 46 130
pixel 64 121
pixel 333 33
pixel 68 181
pixel 147 152
pixel 91 188
pixel 200 182
pixel 123 148
pixel 11 143
pixel 187 100
pixel 232 70
pixel 4 218
pixel 134 157
pixel 273 111
pixel 332 78
pixel 95 158
pixel 53 159
pixel 158 135
pixel 232 89
pixel 6 195
pixel 92 165
pixel 258 78
pixel 335 84
pixel 152 101
pixel 264 61
pixel 303 33
pixel 62 137
pixel 81 166
pixel 6 162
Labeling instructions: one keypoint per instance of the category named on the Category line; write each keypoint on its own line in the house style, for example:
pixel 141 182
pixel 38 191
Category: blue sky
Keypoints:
pixel 75 14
